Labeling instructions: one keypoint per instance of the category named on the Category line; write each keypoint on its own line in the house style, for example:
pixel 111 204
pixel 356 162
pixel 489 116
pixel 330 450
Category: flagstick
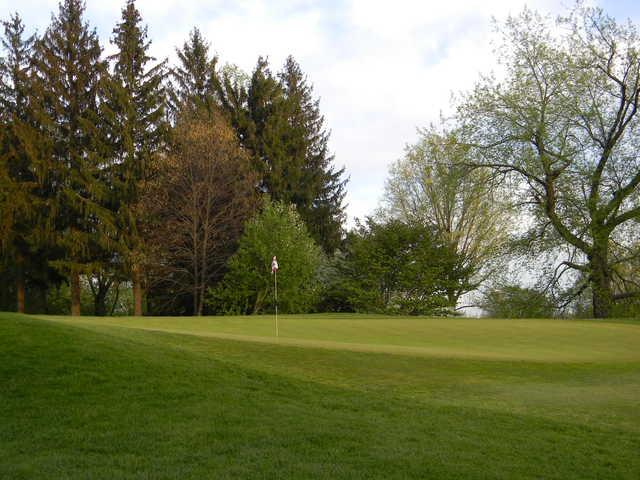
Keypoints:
pixel 275 280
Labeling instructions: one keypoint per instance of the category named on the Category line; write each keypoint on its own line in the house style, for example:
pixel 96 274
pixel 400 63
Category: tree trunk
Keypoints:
pixel 74 283
pixel 201 302
pixel 195 297
pixel 137 291
pixel 100 301
pixel 20 288
pixel 602 293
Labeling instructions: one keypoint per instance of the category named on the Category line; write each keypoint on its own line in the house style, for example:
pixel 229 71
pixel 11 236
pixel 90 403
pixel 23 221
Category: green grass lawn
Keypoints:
pixel 333 397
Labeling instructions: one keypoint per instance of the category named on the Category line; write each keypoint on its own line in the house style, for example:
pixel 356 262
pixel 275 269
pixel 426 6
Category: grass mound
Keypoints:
pixel 98 399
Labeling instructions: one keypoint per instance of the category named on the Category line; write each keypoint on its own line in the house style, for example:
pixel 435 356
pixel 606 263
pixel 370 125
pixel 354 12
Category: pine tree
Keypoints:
pixel 266 129
pixel 318 190
pixel 137 132
pixel 279 121
pixel 18 142
pixel 70 79
pixel 194 83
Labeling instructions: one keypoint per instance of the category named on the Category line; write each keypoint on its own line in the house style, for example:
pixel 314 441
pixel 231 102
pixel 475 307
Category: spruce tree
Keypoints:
pixel 317 188
pixel 194 82
pixel 70 78
pixel 137 131
pixel 279 121
pixel 18 143
pixel 266 129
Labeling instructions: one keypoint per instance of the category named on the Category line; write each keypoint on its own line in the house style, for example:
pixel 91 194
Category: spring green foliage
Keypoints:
pixel 432 186
pixel 563 126
pixel 248 287
pixel 482 399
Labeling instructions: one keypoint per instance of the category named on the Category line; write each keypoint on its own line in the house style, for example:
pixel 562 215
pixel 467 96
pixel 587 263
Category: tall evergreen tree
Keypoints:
pixel 265 129
pixel 18 182
pixel 319 190
pixel 137 131
pixel 279 121
pixel 70 74
pixel 194 82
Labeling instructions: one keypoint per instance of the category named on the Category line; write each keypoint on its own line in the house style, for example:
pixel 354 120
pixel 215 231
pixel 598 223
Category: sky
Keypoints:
pixel 382 69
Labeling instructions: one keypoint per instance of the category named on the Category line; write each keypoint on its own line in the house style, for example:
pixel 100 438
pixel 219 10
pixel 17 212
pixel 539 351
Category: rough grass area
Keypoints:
pixel 334 397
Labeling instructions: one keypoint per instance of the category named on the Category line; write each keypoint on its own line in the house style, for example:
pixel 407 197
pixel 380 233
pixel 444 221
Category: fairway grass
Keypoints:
pixel 333 397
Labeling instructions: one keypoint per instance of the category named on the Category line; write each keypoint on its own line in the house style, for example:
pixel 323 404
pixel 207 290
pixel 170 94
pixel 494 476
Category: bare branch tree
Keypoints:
pixel 199 204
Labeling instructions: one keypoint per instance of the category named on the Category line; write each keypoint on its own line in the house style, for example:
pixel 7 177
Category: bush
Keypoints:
pixel 513 301
pixel 248 286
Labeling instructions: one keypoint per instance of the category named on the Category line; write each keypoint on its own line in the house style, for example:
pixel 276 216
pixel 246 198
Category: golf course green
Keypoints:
pixel 333 396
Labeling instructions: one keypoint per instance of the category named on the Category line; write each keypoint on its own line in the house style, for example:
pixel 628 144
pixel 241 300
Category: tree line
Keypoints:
pixel 127 170
pixel 125 180
pixel 553 139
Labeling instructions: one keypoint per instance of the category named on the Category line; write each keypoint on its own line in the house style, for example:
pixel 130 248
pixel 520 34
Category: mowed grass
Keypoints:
pixel 333 397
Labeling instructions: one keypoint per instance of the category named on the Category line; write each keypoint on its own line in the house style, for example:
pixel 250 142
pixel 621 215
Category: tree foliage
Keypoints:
pixel 399 268
pixel 137 132
pixel 19 199
pixel 514 301
pixel 70 74
pixel 196 208
pixel 194 81
pixel 432 186
pixel 248 286
pixel 564 123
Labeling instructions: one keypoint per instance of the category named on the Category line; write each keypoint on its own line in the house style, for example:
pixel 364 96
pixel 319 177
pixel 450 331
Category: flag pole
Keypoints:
pixel 275 281
pixel 274 271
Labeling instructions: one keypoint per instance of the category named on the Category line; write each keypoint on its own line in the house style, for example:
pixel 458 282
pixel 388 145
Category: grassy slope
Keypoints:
pixel 105 401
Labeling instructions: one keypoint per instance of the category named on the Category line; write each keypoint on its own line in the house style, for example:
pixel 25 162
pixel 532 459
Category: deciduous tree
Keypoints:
pixel 400 268
pixel 198 204
pixel 248 287
pixel 564 123
pixel 431 186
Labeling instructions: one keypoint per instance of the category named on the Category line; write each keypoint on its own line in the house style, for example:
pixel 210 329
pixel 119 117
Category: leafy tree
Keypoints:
pixel 431 186
pixel 564 125
pixel 70 75
pixel 195 82
pixel 513 301
pixel 396 267
pixel 138 131
pixel 197 205
pixel 248 285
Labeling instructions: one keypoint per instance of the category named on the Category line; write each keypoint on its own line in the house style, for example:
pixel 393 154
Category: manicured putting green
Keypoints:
pixel 539 340
pixel 381 398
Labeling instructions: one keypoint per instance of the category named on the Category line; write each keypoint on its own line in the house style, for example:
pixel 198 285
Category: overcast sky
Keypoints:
pixel 381 68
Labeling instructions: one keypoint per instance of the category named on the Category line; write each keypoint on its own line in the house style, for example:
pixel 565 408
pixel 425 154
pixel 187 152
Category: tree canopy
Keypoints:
pixel 563 124
pixel 248 287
